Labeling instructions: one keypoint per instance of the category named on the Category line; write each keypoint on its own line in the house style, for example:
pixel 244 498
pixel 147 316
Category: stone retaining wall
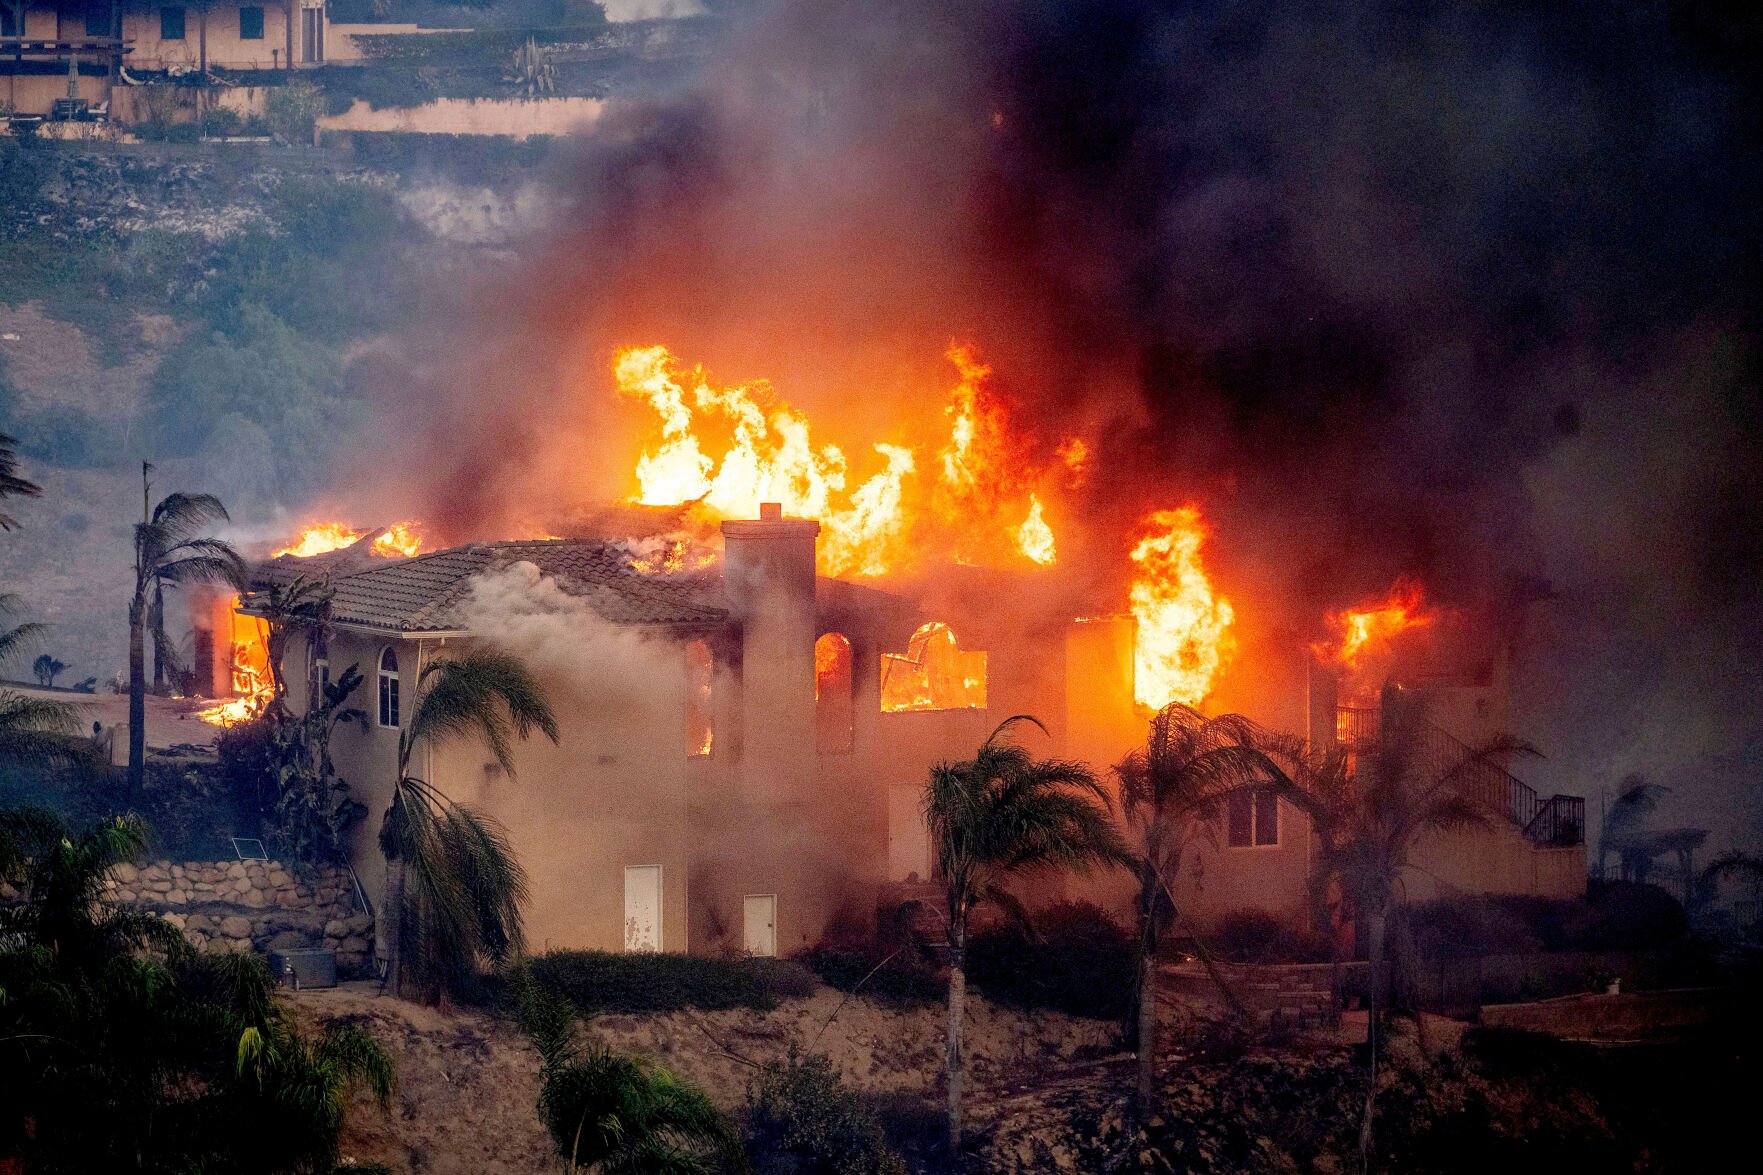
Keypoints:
pixel 252 905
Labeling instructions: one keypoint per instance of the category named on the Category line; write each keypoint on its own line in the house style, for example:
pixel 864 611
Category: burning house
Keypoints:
pixel 758 657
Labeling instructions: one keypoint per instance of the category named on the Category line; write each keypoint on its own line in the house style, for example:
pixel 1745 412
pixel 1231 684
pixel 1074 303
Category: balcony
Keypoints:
pixel 98 50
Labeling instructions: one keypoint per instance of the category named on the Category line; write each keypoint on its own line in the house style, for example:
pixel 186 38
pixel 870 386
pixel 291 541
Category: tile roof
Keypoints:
pixel 426 593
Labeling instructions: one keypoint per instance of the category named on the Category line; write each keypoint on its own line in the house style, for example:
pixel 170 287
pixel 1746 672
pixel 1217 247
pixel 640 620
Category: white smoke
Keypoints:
pixel 603 666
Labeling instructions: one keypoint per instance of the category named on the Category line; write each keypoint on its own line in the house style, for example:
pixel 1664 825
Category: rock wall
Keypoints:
pixel 253 905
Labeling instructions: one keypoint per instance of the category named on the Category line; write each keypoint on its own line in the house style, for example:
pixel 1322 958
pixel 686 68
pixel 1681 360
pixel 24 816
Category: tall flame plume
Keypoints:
pixel 1183 625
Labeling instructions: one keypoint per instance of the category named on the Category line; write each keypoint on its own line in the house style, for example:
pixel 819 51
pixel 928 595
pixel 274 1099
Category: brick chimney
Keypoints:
pixel 768 579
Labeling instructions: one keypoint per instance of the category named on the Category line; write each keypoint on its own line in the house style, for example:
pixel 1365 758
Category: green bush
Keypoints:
pixel 783 978
pixel 800 1120
pixel 598 982
pixel 887 973
pixel 222 122
pixel 477 47
pixel 291 111
pixel 1073 959
pixel 1255 936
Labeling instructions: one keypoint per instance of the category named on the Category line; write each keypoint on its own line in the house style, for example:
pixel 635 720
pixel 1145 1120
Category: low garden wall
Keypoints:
pixel 252 905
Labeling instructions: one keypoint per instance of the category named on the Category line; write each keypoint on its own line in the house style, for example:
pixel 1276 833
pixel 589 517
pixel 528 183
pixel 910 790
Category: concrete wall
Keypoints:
pixel 506 117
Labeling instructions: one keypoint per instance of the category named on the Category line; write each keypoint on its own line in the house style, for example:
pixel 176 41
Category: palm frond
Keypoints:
pixel 484 692
pixel 20 637
pixel 12 483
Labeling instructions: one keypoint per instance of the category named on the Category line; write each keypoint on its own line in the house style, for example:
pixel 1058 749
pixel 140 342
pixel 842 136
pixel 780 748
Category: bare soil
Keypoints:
pixel 468 1082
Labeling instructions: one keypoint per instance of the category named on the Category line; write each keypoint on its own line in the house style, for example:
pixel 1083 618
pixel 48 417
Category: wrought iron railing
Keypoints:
pixel 1552 821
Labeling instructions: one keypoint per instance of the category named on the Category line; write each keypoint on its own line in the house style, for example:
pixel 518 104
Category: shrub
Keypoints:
pixel 598 981
pixel 898 975
pixel 1470 925
pixel 222 122
pixel 1628 916
pixel 1074 959
pixel 291 111
pixel 800 1119
pixel 783 978
pixel 1255 936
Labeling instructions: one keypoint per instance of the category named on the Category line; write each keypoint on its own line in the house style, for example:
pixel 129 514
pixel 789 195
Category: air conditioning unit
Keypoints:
pixel 297 969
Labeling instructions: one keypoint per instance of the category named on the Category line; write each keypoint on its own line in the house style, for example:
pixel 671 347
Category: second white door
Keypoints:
pixel 759 919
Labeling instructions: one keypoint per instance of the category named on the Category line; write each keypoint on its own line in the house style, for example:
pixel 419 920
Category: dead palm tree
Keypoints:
pixel 170 547
pixel 12 485
pixel 454 887
pixel 993 818
pixel 1189 763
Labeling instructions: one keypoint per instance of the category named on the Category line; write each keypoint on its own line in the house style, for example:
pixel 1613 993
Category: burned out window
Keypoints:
pixel 835 703
pixel 389 701
pixel 97 20
pixel 171 24
pixel 700 696
pixel 250 23
pixel 934 673
pixel 1252 818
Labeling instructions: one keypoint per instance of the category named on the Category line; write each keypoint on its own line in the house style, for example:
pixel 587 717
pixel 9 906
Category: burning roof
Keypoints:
pixel 425 593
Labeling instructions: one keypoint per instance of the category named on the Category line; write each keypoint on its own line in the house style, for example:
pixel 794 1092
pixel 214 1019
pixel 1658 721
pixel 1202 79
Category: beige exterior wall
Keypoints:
pixel 226 48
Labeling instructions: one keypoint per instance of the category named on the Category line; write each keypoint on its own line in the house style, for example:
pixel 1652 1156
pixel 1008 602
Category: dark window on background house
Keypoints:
pixel 250 24
pixel 98 21
pixel 1252 818
pixel 6 29
pixel 171 24
pixel 389 688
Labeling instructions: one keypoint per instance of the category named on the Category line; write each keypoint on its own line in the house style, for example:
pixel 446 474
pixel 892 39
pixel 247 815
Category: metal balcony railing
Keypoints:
pixel 1556 821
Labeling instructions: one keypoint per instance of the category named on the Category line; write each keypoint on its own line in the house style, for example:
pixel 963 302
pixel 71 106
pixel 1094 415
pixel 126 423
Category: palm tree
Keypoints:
pixel 189 1059
pixel 300 607
pixel 32 730
pixel 1369 810
pixel 1188 764
pixel 998 816
pixel 12 485
pixel 612 1113
pixel 453 886
pixel 169 548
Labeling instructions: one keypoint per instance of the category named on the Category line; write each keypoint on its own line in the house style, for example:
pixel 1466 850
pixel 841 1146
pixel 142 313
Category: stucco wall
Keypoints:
pixel 226 49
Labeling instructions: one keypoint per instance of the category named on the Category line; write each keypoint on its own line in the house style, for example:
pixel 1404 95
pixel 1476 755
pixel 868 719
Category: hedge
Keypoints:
pixel 599 982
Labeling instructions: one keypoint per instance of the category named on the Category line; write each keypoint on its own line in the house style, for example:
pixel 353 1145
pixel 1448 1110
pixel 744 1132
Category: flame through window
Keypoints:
pixel 934 673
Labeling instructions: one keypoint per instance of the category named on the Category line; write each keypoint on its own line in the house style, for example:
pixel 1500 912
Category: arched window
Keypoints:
pixel 835 705
pixel 389 687
pixel 934 673
pixel 700 715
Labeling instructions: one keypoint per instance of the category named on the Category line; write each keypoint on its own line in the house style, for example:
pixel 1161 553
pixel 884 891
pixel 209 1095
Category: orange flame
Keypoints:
pixel 1034 538
pixel 934 673
pixel 1376 626
pixel 733 448
pixel 252 685
pixel 319 538
pixel 398 541
pixel 1183 626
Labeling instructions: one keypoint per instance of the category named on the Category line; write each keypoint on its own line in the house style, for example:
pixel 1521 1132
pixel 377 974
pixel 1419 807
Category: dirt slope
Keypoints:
pixel 467 1083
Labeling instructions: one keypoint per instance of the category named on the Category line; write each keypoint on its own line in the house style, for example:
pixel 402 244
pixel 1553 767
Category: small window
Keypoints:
pixel 1252 818
pixel 835 707
pixel 97 20
pixel 250 24
pixel 171 24
pixel 389 715
pixel 700 698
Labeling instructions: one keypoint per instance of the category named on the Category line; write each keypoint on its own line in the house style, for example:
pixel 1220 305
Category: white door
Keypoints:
pixel 759 921
pixel 642 908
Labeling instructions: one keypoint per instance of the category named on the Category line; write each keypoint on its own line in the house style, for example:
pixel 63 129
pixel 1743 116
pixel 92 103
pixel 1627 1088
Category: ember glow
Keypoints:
pixel 730 448
pixel 1183 626
pixel 1371 628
